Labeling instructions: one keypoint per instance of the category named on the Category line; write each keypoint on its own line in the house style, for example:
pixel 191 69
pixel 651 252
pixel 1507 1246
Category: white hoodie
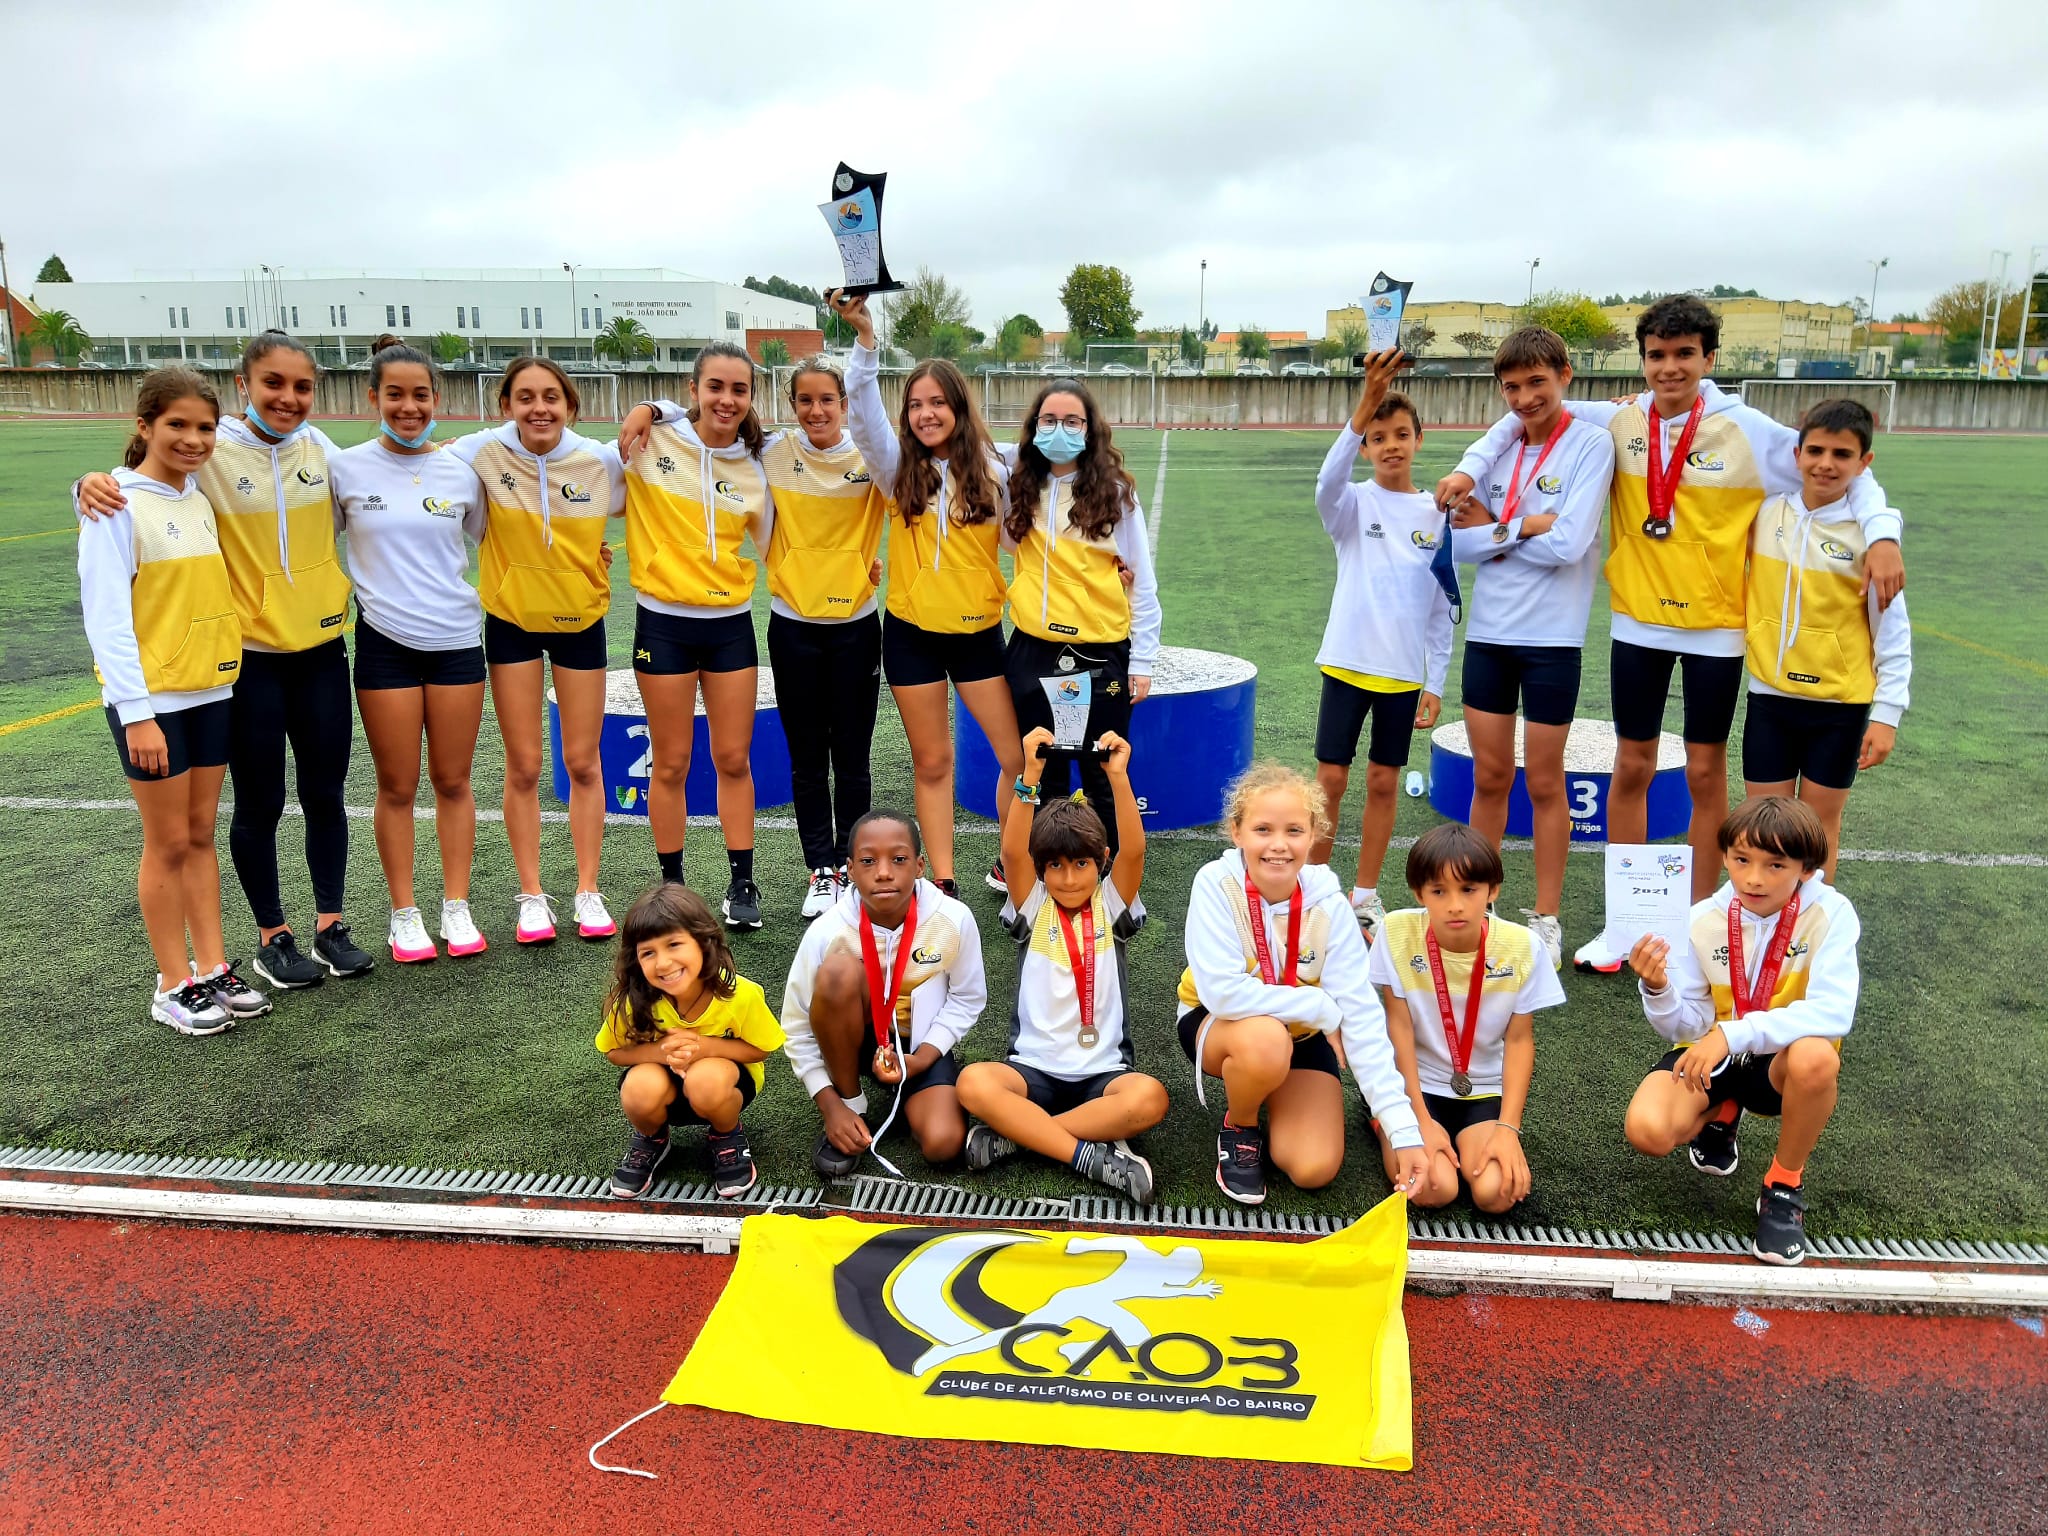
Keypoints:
pixel 1388 616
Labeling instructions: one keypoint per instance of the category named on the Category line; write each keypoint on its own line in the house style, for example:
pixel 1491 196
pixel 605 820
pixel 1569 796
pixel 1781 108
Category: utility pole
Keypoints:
pixel 1534 263
pixel 6 312
pixel 1202 313
pixel 575 324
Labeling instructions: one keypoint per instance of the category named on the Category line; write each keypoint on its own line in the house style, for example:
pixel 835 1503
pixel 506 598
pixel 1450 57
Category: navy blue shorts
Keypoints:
pixel 193 738
pixel 1057 1095
pixel 382 662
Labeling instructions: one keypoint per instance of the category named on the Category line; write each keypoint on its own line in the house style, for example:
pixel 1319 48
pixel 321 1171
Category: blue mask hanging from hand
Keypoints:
pixel 1061 444
pixel 1443 565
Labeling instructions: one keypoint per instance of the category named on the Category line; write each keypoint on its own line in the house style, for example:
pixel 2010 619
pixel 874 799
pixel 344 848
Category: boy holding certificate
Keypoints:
pixel 1756 1007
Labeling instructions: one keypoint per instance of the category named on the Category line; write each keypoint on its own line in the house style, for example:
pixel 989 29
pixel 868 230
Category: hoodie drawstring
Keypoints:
pixel 709 486
pixel 939 544
pixel 1791 606
pixel 284 541
pixel 1052 526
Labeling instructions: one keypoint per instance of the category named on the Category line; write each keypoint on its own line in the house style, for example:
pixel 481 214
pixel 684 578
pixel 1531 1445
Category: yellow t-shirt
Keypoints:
pixel 1370 682
pixel 743 1016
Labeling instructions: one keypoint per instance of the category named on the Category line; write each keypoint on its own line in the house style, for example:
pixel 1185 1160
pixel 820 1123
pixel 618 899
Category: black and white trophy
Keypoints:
pixel 1071 694
pixel 1383 309
pixel 855 216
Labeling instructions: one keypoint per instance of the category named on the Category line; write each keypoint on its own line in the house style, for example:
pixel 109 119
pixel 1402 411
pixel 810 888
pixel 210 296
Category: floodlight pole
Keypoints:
pixel 1987 320
pixel 1202 313
pixel 575 324
pixel 2027 302
pixel 6 312
pixel 1534 263
pixel 1876 267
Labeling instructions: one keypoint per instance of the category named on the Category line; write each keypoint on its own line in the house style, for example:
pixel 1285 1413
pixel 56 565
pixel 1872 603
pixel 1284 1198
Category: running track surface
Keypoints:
pixel 179 1379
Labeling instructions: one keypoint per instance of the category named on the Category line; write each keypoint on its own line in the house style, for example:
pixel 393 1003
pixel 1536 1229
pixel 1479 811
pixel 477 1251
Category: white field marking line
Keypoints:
pixel 1158 500
pixel 1643 1279
pixel 983 828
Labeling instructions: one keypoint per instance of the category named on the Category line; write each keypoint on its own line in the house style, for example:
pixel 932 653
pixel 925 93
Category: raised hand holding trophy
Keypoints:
pixel 1070 695
pixel 854 215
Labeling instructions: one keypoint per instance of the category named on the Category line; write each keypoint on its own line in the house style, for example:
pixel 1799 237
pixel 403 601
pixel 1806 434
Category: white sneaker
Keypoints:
pixel 1370 911
pixel 1547 928
pixel 459 929
pixel 824 890
pixel 593 917
pixel 1596 954
pixel 408 936
pixel 191 1008
pixel 536 920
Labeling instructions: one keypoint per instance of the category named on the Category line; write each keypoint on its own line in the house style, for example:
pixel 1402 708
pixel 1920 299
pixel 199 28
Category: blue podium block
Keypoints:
pixel 626 755
pixel 1588 774
pixel 1190 737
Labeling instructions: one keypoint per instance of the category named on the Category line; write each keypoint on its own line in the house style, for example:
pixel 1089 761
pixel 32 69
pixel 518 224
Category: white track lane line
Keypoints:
pixel 1158 500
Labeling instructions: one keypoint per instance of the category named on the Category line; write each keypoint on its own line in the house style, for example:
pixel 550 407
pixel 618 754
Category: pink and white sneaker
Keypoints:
pixel 593 918
pixel 460 930
pixel 536 920
pixel 409 941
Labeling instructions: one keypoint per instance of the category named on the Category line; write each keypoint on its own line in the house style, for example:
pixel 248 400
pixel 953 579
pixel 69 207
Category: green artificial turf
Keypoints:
pixel 488 1062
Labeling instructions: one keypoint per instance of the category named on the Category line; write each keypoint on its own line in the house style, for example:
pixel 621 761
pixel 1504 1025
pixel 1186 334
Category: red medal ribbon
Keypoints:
pixel 882 1005
pixel 1081 956
pixel 1664 474
pixel 1507 508
pixel 1747 1001
pixel 1460 1042
pixel 1263 945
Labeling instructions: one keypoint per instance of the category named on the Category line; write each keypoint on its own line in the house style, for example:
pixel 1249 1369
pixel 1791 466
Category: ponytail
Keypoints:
pixel 161 389
pixel 750 431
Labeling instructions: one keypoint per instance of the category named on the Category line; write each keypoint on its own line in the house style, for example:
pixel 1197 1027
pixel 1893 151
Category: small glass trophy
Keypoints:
pixel 1071 694
pixel 854 214
pixel 1383 307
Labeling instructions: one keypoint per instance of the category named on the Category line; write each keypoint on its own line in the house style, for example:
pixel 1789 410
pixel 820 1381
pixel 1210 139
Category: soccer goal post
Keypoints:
pixel 1177 414
pixel 1789 399
pixel 599 392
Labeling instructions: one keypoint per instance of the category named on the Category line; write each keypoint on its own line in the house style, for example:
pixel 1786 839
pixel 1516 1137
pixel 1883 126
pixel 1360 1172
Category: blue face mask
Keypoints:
pixel 1060 444
pixel 255 419
pixel 425 437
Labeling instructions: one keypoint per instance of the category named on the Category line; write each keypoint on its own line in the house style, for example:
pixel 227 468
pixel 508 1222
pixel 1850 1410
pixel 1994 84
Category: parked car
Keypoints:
pixel 1304 371
pixel 1054 370
pixel 1119 369
pixel 1183 370
pixel 1254 371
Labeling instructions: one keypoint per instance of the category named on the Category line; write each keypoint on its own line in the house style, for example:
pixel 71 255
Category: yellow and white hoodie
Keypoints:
pixel 1333 996
pixel 1067 586
pixel 274 506
pixel 159 612
pixel 689 507
pixel 1811 634
pixel 542 565
pixel 828 529
pixel 1685 592
pixel 1817 983
pixel 943 575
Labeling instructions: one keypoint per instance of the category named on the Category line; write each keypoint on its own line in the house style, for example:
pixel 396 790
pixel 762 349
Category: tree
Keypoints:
pixel 1356 339
pixel 1098 302
pixel 60 334
pixel 774 353
pixel 1471 341
pixel 1416 337
pixel 1723 291
pixel 1192 348
pixel 1575 317
pixel 623 341
pixel 925 304
pixel 948 341
pixel 1959 311
pixel 451 348
pixel 1329 349
pixel 1606 343
pixel 1252 344
pixel 1014 337
pixel 54 271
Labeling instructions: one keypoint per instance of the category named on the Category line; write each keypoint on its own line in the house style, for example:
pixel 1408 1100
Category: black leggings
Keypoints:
pixel 828 682
pixel 1029 659
pixel 302 697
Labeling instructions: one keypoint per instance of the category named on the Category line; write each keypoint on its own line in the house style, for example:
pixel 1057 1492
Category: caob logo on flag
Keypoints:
pixel 1210 1347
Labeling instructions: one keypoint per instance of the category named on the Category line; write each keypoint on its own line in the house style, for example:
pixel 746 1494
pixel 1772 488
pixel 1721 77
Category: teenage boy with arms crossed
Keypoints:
pixel 1756 1007
pixel 1534 537
pixel 1387 645
pixel 1679 535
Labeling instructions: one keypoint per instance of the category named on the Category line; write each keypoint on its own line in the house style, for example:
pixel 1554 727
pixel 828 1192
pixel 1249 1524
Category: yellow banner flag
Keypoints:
pixel 1201 1346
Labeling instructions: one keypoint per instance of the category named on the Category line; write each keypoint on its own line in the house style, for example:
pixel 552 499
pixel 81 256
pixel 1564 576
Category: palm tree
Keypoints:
pixel 774 353
pixel 623 341
pixel 450 347
pixel 61 334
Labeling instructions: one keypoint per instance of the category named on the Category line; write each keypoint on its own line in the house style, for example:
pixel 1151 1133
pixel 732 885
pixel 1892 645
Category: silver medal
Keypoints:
pixel 1088 1039
pixel 1461 1085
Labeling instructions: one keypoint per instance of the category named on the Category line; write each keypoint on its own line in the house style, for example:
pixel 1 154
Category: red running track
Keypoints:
pixel 179 1379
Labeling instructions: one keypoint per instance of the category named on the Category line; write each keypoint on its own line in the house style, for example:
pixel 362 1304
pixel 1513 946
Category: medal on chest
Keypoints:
pixel 885 992
pixel 1750 1000
pixel 1459 1041
pixel 1081 956
pixel 1663 474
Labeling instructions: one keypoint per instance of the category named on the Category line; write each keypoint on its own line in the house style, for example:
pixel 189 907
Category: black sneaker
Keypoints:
pixel 828 1162
pixel 280 963
pixel 1121 1169
pixel 1241 1164
pixel 742 905
pixel 1780 1226
pixel 732 1163
pixel 984 1147
pixel 1714 1150
pixel 339 953
pixel 949 887
pixel 994 879
pixel 635 1174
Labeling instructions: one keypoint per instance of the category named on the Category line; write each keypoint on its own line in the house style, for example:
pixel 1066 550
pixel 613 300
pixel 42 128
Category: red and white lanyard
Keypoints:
pixel 1664 474
pixel 1081 955
pixel 1748 1001
pixel 1459 1041
pixel 1262 946
pixel 1514 499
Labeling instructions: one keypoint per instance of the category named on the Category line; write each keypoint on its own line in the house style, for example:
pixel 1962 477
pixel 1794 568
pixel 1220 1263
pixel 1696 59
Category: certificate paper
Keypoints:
pixel 1649 890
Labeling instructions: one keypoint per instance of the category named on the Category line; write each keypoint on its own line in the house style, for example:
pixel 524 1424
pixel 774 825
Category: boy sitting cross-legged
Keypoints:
pixel 1069 1090
pixel 1756 1008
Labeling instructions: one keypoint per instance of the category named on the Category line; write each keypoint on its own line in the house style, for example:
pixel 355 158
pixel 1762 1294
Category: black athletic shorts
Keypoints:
pixel 382 662
pixel 943 1073
pixel 1818 740
pixel 579 650
pixel 1541 680
pixel 193 738
pixel 1641 679
pixel 1342 715
pixel 1745 1078
pixel 1312 1053
pixel 1456 1115
pixel 1057 1095
pixel 912 656
pixel 679 1111
pixel 667 645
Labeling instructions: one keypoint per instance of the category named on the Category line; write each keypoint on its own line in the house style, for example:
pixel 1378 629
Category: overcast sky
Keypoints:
pixel 1298 147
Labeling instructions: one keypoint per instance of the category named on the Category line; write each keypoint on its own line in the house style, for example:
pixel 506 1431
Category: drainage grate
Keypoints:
pixel 868 1195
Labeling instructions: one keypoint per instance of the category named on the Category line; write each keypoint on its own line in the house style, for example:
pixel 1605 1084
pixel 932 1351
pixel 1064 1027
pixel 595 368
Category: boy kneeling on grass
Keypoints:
pixel 1461 989
pixel 1069 1090
pixel 1757 1007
